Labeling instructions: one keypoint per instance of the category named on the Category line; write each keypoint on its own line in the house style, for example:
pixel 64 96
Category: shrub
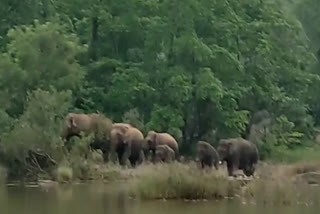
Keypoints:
pixel 34 143
pixel 64 174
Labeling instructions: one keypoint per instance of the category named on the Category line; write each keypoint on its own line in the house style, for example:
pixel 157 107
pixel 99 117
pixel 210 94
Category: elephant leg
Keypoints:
pixel 126 154
pixel 120 154
pixel 153 158
pixel 210 164
pixel 113 154
pixel 142 157
pixel 230 168
pixel 235 165
pixel 202 164
pixel 134 159
pixel 133 162
pixel 216 165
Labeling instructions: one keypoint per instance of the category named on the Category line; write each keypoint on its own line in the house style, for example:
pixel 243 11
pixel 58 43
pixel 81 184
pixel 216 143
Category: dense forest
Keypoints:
pixel 198 69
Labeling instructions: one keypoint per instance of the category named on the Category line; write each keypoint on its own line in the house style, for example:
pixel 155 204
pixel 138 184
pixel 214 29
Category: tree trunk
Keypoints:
pixel 94 38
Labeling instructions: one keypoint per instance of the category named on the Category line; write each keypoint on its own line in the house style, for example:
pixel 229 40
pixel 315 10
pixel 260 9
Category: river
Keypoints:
pixel 99 198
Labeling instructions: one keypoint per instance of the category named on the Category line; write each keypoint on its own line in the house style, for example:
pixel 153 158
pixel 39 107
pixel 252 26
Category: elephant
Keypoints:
pixel 77 124
pixel 207 154
pixel 164 154
pixel 134 139
pixel 126 142
pixel 155 138
pixel 240 154
pixel 127 125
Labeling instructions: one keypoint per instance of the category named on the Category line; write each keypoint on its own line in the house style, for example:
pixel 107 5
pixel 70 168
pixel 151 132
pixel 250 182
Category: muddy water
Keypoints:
pixel 99 198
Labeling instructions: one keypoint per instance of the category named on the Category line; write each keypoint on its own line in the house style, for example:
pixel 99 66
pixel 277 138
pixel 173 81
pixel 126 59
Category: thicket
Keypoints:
pixel 198 69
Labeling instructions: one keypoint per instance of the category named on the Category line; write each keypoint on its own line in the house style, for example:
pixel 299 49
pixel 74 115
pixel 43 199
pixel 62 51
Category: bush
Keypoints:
pixel 64 174
pixel 34 143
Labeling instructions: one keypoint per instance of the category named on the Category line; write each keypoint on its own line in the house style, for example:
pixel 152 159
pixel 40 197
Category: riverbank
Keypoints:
pixel 283 184
pixel 274 183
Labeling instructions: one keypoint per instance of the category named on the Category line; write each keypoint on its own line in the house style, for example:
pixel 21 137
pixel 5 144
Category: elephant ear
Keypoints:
pixel 121 133
pixel 155 138
pixel 230 147
pixel 72 123
pixel 119 136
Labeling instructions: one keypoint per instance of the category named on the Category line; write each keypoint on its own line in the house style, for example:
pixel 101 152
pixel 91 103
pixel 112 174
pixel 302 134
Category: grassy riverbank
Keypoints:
pixel 275 183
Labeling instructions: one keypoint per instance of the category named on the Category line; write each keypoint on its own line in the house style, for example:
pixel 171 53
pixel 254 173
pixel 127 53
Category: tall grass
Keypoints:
pixel 273 184
pixel 176 181
pixel 280 185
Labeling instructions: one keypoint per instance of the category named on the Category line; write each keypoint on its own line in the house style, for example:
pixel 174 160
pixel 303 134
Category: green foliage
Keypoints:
pixel 285 134
pixel 133 117
pixel 38 56
pixel 64 174
pixel 37 130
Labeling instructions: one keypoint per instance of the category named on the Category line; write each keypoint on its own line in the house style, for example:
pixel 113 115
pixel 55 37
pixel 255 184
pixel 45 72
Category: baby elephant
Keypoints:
pixel 207 154
pixel 164 154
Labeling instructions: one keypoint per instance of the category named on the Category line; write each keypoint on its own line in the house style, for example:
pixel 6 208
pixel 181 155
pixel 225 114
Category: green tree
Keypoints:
pixel 38 56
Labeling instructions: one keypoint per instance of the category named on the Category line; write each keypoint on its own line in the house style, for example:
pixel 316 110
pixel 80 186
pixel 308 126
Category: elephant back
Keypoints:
pixel 206 149
pixel 121 125
pixel 134 136
pixel 101 126
pixel 167 139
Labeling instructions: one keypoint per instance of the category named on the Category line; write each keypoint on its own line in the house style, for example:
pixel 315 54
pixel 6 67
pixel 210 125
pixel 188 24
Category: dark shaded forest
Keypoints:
pixel 197 69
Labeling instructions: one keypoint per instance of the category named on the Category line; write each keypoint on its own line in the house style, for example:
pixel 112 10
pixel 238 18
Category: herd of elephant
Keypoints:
pixel 128 143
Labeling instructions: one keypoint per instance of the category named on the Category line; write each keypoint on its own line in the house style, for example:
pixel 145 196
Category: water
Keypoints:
pixel 99 198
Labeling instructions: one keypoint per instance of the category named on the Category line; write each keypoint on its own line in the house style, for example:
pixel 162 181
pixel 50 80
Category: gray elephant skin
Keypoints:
pixel 153 139
pixel 77 124
pixel 240 154
pixel 164 154
pixel 127 142
pixel 207 154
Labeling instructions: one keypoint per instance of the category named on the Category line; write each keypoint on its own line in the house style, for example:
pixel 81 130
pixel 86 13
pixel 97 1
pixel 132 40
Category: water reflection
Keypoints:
pixel 99 198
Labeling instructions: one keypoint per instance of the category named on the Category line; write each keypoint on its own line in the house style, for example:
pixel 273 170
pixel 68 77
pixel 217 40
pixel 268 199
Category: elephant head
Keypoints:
pixel 224 149
pixel 151 140
pixel 71 126
pixel 119 132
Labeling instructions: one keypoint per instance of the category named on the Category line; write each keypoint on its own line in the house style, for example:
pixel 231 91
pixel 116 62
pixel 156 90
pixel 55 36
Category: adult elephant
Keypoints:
pixel 207 154
pixel 134 139
pixel 126 142
pixel 78 124
pixel 240 154
pixel 153 139
pixel 164 154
